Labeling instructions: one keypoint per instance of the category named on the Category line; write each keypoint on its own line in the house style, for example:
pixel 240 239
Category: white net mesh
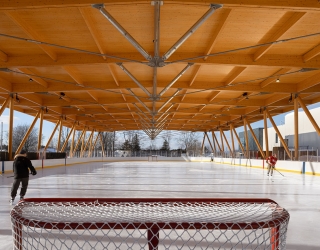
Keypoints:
pixel 166 224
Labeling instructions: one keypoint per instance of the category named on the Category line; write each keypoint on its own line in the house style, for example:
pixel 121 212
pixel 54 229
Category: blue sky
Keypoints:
pixel 21 119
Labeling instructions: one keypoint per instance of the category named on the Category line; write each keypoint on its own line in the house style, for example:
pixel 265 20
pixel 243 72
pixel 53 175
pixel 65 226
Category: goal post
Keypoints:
pixel 148 223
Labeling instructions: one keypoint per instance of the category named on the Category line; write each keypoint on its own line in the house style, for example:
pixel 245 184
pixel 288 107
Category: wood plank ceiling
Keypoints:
pixel 158 65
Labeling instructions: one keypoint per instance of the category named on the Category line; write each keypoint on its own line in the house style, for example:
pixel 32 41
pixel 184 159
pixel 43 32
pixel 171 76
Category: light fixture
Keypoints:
pixel 30 80
pixel 17 98
pixel 46 109
pixel 290 98
pixel 278 80
pixel 62 95
pixel 245 94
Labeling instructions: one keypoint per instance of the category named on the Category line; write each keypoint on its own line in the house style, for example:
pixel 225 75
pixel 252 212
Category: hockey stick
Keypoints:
pixel 278 172
pixel 10 176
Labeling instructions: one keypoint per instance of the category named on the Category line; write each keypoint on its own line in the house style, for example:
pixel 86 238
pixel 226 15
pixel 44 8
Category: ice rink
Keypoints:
pixel 299 194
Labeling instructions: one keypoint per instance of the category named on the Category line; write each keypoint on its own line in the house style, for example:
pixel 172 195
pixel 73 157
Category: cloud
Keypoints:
pixel 5 119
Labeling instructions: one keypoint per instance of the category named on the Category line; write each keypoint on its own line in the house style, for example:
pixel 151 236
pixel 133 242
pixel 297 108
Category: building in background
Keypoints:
pixel 308 137
pixel 258 132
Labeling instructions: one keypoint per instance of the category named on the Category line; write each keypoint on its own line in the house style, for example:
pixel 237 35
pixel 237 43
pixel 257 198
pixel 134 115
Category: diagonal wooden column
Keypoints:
pixel 221 139
pixel 215 138
pixel 279 134
pixel 102 146
pixel 72 143
pixel 52 134
pixel 40 130
pixel 206 134
pixel 214 144
pixel 305 109
pixel 238 139
pixel 232 140
pixel 266 139
pixel 225 138
pixel 28 132
pixel 202 146
pixel 255 139
pixel 67 139
pixel 87 143
pixel 90 145
pixel 5 104
pixel 93 145
pixel 10 132
pixel 246 137
pixel 79 140
pixel 59 137
pixel 296 129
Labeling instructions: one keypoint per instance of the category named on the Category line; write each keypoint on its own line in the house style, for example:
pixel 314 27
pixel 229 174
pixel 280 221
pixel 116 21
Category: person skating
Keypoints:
pixel 271 161
pixel 21 167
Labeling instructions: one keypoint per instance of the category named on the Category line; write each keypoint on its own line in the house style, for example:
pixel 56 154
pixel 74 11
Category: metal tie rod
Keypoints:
pixel 175 79
pixel 213 7
pixel 134 79
pixel 107 15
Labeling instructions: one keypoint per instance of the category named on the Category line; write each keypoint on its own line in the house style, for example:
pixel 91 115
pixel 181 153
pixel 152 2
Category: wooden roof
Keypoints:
pixel 102 67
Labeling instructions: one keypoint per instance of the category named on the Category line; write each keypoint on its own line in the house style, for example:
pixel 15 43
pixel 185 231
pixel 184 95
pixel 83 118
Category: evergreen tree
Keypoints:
pixel 126 145
pixel 165 145
pixel 136 143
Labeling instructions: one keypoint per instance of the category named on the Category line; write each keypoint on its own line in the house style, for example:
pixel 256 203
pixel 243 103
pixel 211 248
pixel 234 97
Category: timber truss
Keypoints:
pixel 213 66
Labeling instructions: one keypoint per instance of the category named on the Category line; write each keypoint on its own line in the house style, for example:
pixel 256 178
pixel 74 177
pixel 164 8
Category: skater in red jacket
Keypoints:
pixel 271 161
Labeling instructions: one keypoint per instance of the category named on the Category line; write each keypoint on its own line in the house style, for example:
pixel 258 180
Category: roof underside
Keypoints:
pixel 158 65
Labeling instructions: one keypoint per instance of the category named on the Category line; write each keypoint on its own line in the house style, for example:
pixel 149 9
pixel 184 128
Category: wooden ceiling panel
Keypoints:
pixel 72 79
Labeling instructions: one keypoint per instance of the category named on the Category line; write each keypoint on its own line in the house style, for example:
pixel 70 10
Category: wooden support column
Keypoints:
pixel 102 146
pixel 246 138
pixel 72 143
pixel 225 138
pixel 315 125
pixel 238 139
pixel 222 145
pixel 266 132
pixel 279 135
pixel 28 132
pixel 67 139
pixel 88 142
pixel 202 146
pixel 232 140
pixel 296 129
pixel 40 130
pixel 59 137
pixel 214 144
pixel 52 134
pixel 206 134
pixel 5 104
pixel 83 144
pixel 10 132
pixel 94 144
pixel 214 136
pixel 255 139
pixel 79 140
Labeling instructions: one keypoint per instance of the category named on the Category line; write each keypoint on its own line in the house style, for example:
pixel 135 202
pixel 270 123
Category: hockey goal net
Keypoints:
pixel 149 224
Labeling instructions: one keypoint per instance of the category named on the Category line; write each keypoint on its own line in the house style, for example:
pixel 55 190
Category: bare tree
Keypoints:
pixel 189 141
pixel 108 139
pixel 18 134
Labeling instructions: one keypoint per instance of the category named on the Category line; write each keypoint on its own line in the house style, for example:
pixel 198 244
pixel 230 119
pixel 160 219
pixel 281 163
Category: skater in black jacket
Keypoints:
pixel 21 167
